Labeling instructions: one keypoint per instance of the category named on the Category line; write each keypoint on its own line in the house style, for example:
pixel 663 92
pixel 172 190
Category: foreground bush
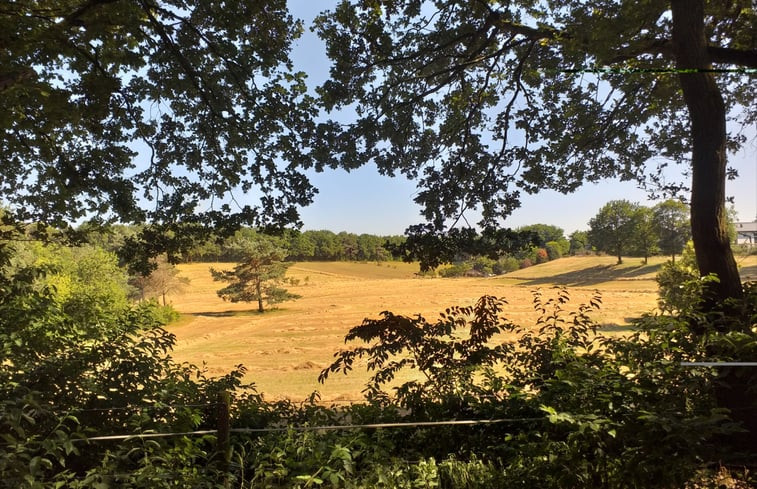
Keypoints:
pixel 573 408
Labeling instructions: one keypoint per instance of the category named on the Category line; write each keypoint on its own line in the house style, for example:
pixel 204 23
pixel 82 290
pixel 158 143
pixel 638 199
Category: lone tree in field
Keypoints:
pixel 258 277
pixel 613 229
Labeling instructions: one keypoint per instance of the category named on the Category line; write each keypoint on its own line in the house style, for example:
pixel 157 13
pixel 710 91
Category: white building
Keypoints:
pixel 746 233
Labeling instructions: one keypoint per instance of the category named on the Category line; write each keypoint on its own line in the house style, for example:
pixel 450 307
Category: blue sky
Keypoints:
pixel 363 201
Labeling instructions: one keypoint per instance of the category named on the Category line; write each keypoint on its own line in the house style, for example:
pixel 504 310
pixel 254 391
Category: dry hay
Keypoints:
pixel 285 349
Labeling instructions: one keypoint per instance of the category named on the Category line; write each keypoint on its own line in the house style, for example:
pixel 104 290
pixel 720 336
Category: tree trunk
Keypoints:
pixel 708 212
pixel 260 296
pixel 708 156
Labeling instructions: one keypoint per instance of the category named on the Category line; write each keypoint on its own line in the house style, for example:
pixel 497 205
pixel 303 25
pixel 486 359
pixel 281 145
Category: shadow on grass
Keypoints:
pixel 596 275
pixel 750 272
pixel 226 314
pixel 248 312
pixel 616 329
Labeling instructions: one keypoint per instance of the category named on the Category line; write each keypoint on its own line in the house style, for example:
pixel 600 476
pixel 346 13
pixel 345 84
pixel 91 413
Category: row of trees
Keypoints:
pixel 622 227
pixel 322 245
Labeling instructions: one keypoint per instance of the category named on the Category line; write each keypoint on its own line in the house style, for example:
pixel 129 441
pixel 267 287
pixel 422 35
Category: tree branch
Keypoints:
pixel 740 57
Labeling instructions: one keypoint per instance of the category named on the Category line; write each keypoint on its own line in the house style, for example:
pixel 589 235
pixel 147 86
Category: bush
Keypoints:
pixel 541 256
pixel 505 264
pixel 455 270
pixel 557 249
pixel 595 410
pixel 483 265
pixel 163 315
pixel 680 288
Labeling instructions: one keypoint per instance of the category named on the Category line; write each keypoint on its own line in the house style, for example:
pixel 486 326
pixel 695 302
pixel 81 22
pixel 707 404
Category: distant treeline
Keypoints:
pixel 300 246
pixel 309 246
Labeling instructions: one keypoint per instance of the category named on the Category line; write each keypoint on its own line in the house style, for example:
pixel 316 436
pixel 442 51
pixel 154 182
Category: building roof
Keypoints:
pixel 746 227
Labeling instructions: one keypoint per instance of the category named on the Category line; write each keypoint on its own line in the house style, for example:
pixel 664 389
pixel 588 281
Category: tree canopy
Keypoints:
pixel 478 101
pixel 614 228
pixel 481 101
pixel 671 218
pixel 204 91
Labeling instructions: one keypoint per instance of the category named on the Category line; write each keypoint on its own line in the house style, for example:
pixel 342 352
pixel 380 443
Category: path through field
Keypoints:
pixel 285 349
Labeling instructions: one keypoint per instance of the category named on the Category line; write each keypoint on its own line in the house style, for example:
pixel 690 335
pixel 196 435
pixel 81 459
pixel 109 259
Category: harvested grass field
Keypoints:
pixel 285 349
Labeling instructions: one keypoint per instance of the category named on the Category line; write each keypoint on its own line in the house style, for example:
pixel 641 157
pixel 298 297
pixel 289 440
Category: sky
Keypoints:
pixel 363 201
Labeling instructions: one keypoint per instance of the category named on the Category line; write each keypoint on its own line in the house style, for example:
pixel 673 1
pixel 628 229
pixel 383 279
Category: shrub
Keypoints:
pixel 541 256
pixel 557 249
pixel 679 285
pixel 505 264
pixel 594 409
pixel 482 265
pixel 455 270
pixel 163 315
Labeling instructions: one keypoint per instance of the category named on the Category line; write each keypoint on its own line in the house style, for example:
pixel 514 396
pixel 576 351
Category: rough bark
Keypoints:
pixel 708 157
pixel 708 213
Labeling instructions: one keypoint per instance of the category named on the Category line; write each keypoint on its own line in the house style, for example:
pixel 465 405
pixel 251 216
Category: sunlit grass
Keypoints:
pixel 284 349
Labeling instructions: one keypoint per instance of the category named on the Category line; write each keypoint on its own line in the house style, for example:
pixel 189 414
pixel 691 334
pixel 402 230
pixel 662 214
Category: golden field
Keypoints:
pixel 285 349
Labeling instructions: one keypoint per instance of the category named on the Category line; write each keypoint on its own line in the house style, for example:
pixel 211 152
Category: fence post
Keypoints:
pixel 223 425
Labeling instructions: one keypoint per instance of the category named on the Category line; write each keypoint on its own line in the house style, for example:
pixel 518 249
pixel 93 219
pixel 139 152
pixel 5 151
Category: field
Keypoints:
pixel 285 349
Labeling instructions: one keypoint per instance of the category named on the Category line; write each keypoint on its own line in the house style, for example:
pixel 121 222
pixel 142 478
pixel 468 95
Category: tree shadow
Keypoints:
pixel 617 328
pixel 748 272
pixel 595 275
pixel 226 314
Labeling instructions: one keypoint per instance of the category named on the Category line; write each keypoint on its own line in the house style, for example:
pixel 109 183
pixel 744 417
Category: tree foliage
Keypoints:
pixel 259 276
pixel 614 228
pixel 86 281
pixel 205 93
pixel 646 235
pixel 671 218
pixel 481 101
pixel 579 242
pixel 545 233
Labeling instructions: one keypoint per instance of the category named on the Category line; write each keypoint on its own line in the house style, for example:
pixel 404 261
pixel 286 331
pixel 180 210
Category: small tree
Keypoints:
pixel 671 218
pixel 645 235
pixel 259 276
pixel 161 281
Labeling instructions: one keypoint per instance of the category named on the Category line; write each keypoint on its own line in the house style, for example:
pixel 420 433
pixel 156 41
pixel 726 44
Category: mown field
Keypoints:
pixel 285 349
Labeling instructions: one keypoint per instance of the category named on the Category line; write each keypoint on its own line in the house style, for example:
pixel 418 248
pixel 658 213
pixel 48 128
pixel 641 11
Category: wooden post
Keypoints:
pixel 223 446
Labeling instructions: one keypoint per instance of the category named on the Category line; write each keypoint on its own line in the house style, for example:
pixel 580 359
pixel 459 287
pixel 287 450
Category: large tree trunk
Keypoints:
pixel 708 156
pixel 708 213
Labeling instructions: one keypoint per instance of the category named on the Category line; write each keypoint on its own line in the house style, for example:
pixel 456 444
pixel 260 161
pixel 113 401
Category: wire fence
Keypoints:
pixel 414 424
